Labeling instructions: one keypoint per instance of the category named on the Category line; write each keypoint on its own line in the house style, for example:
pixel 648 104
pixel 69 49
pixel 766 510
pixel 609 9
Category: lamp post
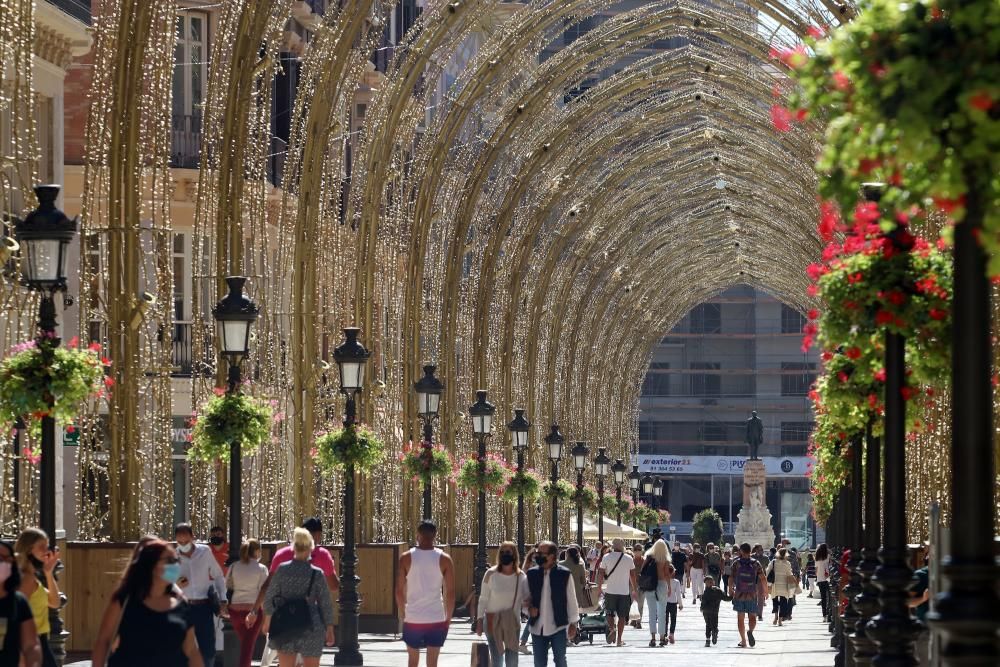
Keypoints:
pixel 657 493
pixel 234 317
pixel 619 470
pixel 634 479
pixel 580 453
pixel 602 466
pixel 867 602
pixel 351 358
pixel 555 440
pixel 647 490
pixel 44 236
pixel 428 390
pixel 482 422
pixel 893 629
pixel 519 428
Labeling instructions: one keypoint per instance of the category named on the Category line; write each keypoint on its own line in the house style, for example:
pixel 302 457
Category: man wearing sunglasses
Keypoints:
pixel 553 613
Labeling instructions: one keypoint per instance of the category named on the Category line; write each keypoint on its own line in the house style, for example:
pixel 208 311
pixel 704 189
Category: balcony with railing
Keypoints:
pixel 185 141
pixel 189 361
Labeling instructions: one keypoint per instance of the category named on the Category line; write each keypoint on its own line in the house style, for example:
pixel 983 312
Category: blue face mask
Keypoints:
pixel 171 572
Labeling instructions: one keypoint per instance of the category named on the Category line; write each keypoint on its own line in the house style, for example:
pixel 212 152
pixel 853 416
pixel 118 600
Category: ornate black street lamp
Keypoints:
pixel 45 235
pixel 482 423
pixel 351 358
pixel 866 603
pixel 519 428
pixel 618 470
pixel 634 479
pixel 555 440
pixel 428 390
pixel 234 316
pixel 580 453
pixel 893 628
pixel 602 467
pixel 657 493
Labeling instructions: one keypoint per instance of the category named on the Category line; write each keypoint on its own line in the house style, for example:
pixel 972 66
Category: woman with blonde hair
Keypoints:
pixel 37 564
pixel 504 593
pixel 297 607
pixel 245 579
pixel 657 562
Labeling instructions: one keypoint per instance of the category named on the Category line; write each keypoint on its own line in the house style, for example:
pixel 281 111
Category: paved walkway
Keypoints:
pixel 803 643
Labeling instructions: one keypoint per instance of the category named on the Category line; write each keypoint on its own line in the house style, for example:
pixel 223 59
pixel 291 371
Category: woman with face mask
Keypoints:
pixel 18 636
pixel 504 593
pixel 244 580
pixel 149 621
pixel 37 566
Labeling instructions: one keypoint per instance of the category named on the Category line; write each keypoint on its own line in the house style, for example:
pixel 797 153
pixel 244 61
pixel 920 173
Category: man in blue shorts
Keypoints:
pixel 425 591
pixel 745 582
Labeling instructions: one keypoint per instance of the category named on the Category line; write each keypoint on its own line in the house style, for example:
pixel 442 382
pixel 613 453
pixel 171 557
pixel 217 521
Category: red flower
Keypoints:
pixel 827 355
pixel 781 118
pixel 813 314
pixel 815 32
pixel 109 382
pixel 73 342
pixel 855 278
pixel 812 290
pixel 853 353
pixel 219 391
pixel 868 165
pixel 829 219
pixel 71 429
pixel 897 298
pixel 840 81
pixel 801 115
pixel 866 213
pixel 981 100
pixel 872 401
pixel 815 271
pixel 906 393
pixel 883 317
pixel 880 375
pixel 947 205
pixel 878 70
pixel 843 377
pixel 94 347
pixel 938 314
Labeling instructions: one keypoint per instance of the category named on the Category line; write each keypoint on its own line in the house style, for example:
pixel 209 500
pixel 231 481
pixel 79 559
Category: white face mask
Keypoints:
pixel 4 571
pixel 185 548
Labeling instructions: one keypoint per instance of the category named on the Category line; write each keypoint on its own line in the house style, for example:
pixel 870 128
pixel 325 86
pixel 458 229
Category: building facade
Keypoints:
pixel 735 353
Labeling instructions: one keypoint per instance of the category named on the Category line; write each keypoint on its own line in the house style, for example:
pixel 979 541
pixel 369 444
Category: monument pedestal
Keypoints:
pixel 755 519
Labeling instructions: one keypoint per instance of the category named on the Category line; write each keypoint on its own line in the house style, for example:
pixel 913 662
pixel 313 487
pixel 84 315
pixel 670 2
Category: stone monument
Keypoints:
pixel 754 518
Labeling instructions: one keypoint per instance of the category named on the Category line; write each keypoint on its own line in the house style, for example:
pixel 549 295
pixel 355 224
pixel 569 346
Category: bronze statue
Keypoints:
pixel 755 434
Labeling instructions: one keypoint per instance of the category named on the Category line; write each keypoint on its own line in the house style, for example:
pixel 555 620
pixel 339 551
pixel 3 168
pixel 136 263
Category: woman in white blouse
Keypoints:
pixel 245 579
pixel 505 592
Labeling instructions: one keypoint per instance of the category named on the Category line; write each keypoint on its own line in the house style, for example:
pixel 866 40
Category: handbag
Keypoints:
pixel 213 600
pixel 292 616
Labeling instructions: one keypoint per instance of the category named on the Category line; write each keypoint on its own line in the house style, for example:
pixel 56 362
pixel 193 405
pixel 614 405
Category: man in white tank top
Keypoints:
pixel 425 591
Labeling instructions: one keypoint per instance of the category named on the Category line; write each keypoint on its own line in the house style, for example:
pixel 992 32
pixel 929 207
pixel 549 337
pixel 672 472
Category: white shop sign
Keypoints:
pixel 777 466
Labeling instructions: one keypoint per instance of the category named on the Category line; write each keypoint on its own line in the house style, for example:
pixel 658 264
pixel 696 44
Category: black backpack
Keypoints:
pixel 648 578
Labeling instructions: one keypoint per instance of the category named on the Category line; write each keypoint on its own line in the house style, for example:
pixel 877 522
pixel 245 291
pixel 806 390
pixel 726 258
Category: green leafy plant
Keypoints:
pixel 358 446
pixel 38 379
pixel 831 451
pixel 585 496
pixel 491 479
pixel 526 483
pixel 423 464
pixel 707 527
pixel 643 515
pixel 227 418
pixel 624 506
pixel 907 93
pixel 561 490
pixel 608 505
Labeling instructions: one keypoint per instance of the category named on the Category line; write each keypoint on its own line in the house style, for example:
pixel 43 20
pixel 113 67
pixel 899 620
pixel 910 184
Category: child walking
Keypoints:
pixel 710 601
pixel 674 598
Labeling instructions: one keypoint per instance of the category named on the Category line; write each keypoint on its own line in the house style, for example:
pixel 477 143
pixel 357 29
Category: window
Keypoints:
pixel 190 76
pixel 795 431
pixel 792 320
pixel 713 432
pixel 706 318
pixel 705 384
pixel 656 384
pixel 797 384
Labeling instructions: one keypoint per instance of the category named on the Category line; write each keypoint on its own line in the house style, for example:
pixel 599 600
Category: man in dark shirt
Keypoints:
pixel 679 559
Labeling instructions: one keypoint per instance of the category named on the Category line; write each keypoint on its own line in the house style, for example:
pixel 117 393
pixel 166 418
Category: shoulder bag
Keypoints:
pixel 292 616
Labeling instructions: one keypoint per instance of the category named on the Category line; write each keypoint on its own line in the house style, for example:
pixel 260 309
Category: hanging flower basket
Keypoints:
pixel 624 507
pixel 491 480
pixel 424 464
pixel 831 452
pixel 880 282
pixel 643 515
pixel 359 447
pixel 227 418
pixel 34 385
pixel 664 516
pixel 561 490
pixel 587 497
pixel 527 484
pixel 608 505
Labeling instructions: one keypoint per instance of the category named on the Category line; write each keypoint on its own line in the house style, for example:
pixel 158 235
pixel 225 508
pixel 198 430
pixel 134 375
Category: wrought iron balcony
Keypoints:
pixel 185 139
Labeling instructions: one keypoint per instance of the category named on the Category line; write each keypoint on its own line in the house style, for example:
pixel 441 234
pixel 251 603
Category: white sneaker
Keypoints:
pixel 524 649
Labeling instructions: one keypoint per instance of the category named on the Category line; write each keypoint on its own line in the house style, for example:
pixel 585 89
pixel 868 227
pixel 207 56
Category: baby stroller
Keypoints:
pixel 594 623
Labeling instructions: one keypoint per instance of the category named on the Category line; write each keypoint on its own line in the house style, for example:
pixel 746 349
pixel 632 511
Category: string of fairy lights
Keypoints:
pixel 533 229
